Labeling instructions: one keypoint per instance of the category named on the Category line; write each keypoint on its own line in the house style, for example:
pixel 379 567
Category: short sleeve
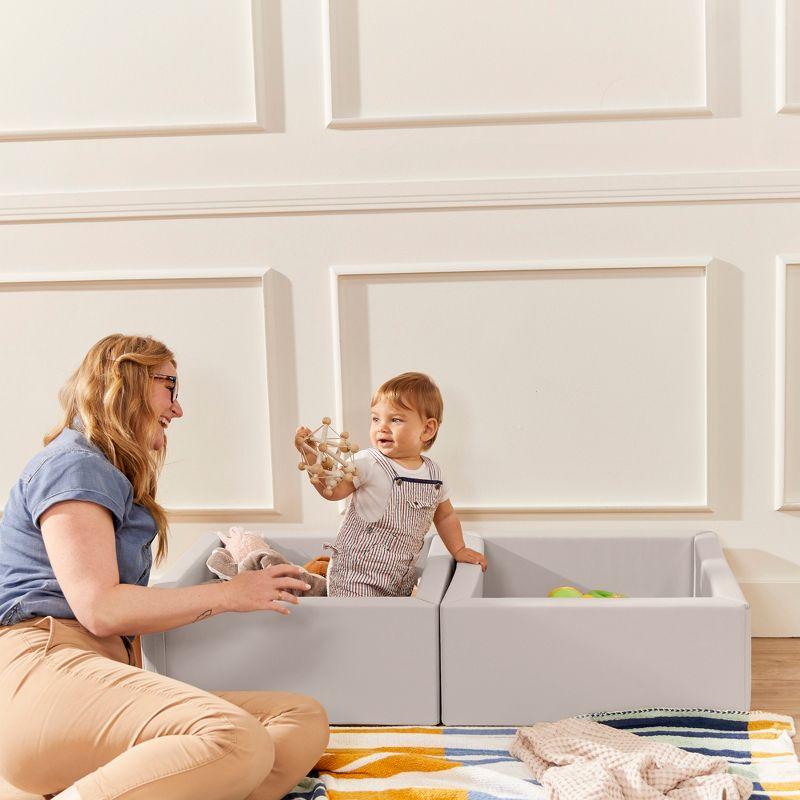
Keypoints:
pixel 364 465
pixel 444 494
pixel 77 475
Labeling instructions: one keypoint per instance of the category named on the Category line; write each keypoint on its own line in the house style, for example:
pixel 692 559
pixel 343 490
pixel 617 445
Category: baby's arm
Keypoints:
pixel 448 526
pixel 344 489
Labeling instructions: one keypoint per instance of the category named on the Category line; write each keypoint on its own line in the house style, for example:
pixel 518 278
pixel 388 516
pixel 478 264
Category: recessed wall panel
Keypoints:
pixel 82 65
pixel 218 453
pixel 563 389
pixel 791 61
pixel 419 59
pixel 792 408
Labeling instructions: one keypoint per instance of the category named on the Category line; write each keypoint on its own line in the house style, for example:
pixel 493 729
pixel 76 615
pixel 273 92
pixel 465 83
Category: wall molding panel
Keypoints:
pixel 643 266
pixel 787 52
pixel 343 90
pixel 236 201
pixel 785 265
pixel 259 279
pixel 251 121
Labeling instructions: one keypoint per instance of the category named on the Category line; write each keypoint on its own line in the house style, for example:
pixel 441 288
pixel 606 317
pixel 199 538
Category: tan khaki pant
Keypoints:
pixel 73 710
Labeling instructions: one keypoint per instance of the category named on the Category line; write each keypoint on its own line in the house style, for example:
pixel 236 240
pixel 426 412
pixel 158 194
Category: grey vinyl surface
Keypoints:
pixel 512 656
pixel 369 661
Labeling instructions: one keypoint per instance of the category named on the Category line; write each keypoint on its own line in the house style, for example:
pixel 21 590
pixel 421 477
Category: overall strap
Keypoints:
pixel 384 463
pixel 433 469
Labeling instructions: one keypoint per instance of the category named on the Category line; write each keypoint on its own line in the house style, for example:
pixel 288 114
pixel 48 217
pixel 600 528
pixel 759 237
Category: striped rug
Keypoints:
pixel 449 763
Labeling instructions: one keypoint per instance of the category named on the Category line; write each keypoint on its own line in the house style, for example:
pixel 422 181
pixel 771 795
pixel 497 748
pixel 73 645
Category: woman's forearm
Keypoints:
pixel 127 610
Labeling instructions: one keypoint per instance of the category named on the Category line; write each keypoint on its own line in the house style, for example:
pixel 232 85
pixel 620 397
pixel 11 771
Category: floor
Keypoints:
pixel 776 678
pixel 776 687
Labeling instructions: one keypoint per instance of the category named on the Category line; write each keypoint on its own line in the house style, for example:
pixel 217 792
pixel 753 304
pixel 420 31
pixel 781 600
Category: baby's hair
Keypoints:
pixel 414 391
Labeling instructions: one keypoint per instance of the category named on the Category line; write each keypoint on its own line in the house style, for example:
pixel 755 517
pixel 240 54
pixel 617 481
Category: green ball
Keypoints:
pixel 565 591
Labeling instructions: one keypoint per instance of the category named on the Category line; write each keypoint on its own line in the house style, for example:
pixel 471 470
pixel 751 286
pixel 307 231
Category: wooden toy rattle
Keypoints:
pixel 332 455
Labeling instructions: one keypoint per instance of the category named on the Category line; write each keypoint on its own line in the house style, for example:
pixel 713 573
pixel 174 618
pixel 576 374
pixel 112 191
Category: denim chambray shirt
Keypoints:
pixel 69 468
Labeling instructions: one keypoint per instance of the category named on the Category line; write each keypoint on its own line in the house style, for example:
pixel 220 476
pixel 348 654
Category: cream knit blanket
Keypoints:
pixel 577 759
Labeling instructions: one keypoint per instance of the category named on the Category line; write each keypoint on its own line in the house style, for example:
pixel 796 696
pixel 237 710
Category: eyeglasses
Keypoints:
pixel 172 385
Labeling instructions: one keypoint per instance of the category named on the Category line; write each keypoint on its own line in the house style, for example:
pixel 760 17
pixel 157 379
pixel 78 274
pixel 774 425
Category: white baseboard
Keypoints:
pixel 774 607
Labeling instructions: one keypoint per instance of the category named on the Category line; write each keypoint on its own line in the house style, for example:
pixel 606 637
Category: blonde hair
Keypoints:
pixel 414 391
pixel 110 394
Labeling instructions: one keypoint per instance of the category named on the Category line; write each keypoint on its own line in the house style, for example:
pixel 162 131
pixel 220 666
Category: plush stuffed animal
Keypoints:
pixel 245 550
pixel 319 565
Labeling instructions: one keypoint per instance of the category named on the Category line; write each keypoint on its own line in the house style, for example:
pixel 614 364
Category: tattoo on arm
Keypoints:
pixel 204 615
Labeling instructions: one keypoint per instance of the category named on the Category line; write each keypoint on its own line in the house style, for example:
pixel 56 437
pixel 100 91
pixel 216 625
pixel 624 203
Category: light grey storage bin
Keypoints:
pixel 513 656
pixel 369 661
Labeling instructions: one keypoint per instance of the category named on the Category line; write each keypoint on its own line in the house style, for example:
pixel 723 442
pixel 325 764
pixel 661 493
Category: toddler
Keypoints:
pixel 397 493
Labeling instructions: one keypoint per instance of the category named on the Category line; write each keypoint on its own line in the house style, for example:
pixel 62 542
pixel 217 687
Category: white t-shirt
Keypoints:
pixel 373 485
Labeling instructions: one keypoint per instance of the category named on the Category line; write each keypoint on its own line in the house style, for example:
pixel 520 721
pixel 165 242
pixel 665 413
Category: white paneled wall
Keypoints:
pixel 417 62
pixel 787 388
pixel 569 213
pixel 86 67
pixel 788 53
pixel 571 364
pixel 220 314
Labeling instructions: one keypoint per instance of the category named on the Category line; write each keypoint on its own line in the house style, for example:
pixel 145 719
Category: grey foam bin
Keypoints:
pixel 369 661
pixel 512 656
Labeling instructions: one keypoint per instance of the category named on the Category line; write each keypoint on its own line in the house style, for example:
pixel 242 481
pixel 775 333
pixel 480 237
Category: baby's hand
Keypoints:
pixel 468 556
pixel 300 436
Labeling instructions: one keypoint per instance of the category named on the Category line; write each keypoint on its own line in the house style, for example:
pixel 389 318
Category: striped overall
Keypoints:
pixel 377 559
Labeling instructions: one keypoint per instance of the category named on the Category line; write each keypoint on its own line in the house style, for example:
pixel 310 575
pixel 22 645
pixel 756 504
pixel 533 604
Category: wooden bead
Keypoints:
pixel 348 477
pixel 323 448
pixel 344 448
pixel 353 448
pixel 344 435
pixel 301 466
pixel 328 492
pixel 326 420
pixel 314 479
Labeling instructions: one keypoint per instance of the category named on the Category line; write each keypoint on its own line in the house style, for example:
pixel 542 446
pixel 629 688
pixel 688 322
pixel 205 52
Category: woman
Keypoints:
pixel 77 713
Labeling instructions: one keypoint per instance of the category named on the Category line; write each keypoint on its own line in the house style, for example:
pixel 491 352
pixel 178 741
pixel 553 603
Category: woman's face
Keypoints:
pixel 162 402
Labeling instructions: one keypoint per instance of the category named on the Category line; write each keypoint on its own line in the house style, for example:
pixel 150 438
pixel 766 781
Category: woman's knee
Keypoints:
pixel 314 720
pixel 243 747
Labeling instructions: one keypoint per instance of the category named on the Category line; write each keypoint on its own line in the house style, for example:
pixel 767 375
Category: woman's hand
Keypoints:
pixel 264 589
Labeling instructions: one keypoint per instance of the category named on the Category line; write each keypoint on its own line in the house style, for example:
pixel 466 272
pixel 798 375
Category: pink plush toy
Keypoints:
pixel 245 550
pixel 240 543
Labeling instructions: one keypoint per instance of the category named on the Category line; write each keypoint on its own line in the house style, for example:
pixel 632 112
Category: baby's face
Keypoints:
pixel 399 432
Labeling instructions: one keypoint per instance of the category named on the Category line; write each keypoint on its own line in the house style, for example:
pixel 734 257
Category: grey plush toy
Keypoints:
pixel 245 550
